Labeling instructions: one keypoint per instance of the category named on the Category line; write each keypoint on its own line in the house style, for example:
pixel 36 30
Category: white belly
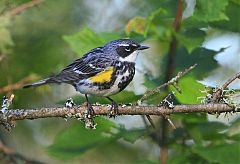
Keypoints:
pixel 86 87
pixel 94 90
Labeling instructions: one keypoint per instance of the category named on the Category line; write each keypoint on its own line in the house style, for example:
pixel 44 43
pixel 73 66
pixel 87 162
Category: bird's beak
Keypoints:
pixel 142 47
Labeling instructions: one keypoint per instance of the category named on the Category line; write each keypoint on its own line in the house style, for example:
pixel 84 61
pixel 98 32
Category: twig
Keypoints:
pixel 170 82
pixel 5 149
pixel 218 94
pixel 151 121
pixel 17 85
pixel 6 103
pixel 173 81
pixel 229 81
pixel 23 7
pixel 170 121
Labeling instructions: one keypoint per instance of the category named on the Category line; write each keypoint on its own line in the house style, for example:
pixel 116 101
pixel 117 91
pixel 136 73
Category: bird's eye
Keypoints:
pixel 127 48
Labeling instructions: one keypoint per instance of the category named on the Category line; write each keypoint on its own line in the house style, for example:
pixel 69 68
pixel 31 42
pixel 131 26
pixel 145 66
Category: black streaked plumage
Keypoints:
pixel 85 73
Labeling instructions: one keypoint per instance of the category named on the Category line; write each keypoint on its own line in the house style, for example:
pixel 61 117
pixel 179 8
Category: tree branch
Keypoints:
pixel 79 111
pixel 218 94
pixel 23 7
pixel 229 81
pixel 17 85
pixel 5 149
pixel 173 44
pixel 169 74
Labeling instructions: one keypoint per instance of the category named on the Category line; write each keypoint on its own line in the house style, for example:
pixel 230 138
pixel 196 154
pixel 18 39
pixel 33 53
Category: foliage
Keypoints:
pixel 196 140
pixel 77 140
pixel 5 40
pixel 207 137
pixel 86 39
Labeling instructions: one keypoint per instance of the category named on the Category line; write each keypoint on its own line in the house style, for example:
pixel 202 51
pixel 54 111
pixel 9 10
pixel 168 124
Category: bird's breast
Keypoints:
pixel 109 82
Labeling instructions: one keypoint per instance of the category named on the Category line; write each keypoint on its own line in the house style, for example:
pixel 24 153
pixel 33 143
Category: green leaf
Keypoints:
pixel 149 83
pixel 142 25
pixel 233 24
pixel 136 24
pixel 183 154
pixel 212 130
pixel 207 131
pixel 131 135
pixel 152 17
pixel 191 39
pixel 195 135
pixel 226 153
pixel 86 39
pixel 109 36
pixel 112 152
pixel 6 38
pixel 236 2
pixel 189 118
pixel 234 129
pixel 202 56
pixel 126 97
pixel 190 90
pixel 178 159
pixel 76 140
pixel 208 11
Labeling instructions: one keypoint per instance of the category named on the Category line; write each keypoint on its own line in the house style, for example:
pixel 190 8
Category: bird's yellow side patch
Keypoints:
pixel 104 76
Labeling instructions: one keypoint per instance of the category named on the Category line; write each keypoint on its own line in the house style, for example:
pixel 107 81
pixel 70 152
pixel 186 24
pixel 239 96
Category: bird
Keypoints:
pixel 103 71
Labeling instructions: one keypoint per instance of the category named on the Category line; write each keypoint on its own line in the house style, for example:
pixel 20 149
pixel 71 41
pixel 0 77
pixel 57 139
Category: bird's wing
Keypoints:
pixel 89 65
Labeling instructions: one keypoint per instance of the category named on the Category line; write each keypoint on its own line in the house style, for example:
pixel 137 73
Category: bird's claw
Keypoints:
pixel 90 111
pixel 113 110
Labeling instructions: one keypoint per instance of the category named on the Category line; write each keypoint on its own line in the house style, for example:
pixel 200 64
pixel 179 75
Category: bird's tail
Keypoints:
pixel 38 83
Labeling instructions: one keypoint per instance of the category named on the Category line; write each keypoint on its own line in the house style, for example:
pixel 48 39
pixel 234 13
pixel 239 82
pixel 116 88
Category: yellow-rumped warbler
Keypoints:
pixel 103 71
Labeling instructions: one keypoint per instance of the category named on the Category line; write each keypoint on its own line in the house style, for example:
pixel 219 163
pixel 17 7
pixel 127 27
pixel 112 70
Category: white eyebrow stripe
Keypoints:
pixel 123 44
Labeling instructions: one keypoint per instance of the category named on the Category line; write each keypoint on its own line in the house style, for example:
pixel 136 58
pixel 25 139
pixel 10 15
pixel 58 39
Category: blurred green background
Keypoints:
pixel 43 39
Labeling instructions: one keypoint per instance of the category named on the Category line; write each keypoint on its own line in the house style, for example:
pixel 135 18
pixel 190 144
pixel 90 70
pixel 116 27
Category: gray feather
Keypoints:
pixel 40 82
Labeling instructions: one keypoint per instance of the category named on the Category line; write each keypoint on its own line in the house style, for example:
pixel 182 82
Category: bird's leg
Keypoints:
pixel 90 111
pixel 114 108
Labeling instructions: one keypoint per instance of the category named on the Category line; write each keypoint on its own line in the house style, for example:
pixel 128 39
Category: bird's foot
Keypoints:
pixel 90 111
pixel 113 112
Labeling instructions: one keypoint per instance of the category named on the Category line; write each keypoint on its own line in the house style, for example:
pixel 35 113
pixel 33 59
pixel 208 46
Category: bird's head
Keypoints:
pixel 125 49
